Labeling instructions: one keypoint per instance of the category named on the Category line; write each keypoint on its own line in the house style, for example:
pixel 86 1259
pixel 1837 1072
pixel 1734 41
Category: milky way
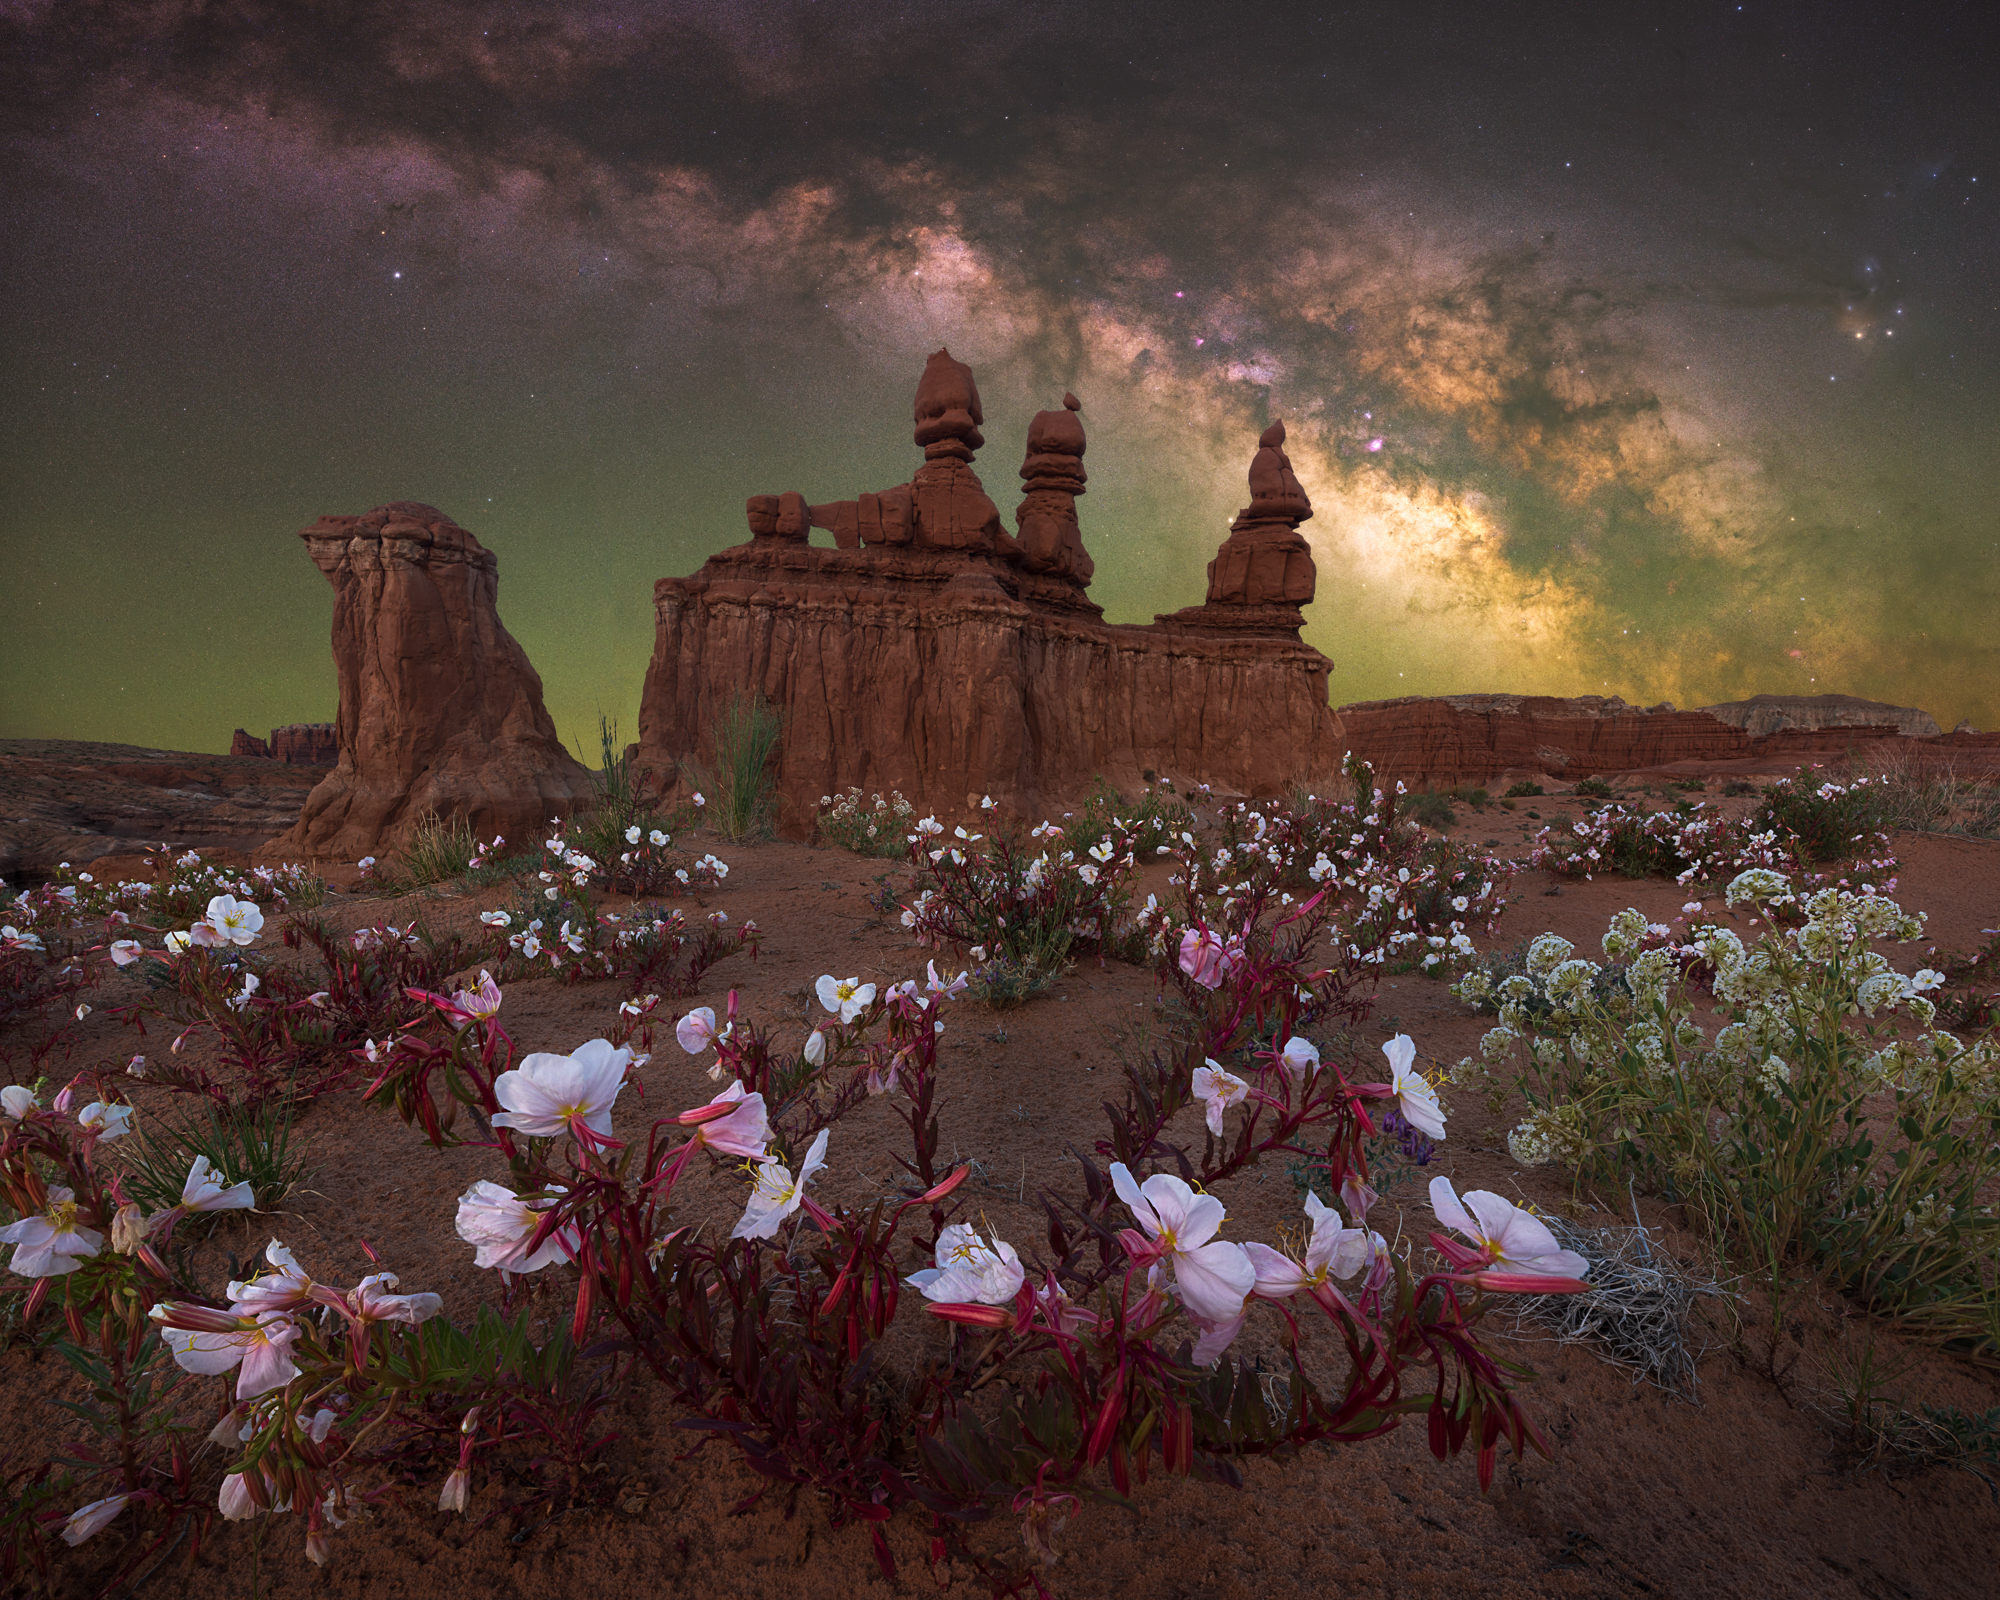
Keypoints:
pixel 1652 356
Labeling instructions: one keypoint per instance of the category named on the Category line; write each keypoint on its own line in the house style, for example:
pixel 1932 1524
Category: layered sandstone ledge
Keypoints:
pixel 940 675
pixel 1458 739
pixel 935 653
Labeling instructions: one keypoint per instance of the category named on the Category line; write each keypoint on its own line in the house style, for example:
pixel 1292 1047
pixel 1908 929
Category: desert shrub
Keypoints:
pixel 284 1031
pixel 1399 896
pixel 1025 901
pixel 624 831
pixel 652 949
pixel 1806 1134
pixel 740 793
pixel 1431 807
pixel 45 968
pixel 190 884
pixel 1692 845
pixel 770 1339
pixel 1593 788
pixel 1523 791
pixel 1825 821
pixel 880 830
pixel 636 861
pixel 1151 822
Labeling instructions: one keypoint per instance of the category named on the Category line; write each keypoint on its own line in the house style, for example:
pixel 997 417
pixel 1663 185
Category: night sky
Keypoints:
pixel 1651 351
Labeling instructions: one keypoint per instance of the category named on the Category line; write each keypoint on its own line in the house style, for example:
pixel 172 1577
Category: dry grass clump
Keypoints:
pixel 1637 1310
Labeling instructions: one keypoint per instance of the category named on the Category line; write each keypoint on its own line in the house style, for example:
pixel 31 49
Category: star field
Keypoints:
pixel 1638 353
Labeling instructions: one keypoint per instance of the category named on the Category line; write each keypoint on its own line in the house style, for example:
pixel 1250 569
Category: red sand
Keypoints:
pixel 1749 1493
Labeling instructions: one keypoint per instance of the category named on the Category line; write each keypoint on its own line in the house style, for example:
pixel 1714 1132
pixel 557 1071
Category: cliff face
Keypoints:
pixel 440 710
pixel 1456 739
pixel 1779 713
pixel 925 674
pixel 935 653
pixel 297 744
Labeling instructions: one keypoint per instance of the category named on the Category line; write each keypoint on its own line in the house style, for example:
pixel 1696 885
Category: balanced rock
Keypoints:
pixel 1264 571
pixel 931 652
pixel 440 711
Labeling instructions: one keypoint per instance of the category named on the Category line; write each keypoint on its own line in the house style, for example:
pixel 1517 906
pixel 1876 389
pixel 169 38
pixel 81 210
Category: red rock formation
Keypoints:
pixel 297 744
pixel 1050 539
pixel 306 744
pixel 1264 571
pixel 933 653
pixel 1470 738
pixel 1777 713
pixel 440 710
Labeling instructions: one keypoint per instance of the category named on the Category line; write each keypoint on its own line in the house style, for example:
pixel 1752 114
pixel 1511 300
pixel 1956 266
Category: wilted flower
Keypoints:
pixel 209 1190
pixel 51 1242
pixel 124 952
pixel 1300 1057
pixel 970 1271
pixel 499 1223
pixel 815 1048
pixel 1335 1250
pixel 549 1093
pixel 1206 959
pixel 476 1005
pixel 370 1301
pixel 742 1130
pixel 496 919
pixel 1219 1090
pixel 111 1121
pixel 697 1031
pixel 262 1347
pixel 90 1519
pixel 775 1194
pixel 284 1288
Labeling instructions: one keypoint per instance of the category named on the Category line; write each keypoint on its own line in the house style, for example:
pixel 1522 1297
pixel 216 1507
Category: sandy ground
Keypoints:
pixel 1746 1493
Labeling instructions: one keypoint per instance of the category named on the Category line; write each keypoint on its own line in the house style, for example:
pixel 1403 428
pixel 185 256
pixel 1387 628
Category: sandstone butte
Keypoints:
pixel 934 652
pixel 297 744
pixel 440 710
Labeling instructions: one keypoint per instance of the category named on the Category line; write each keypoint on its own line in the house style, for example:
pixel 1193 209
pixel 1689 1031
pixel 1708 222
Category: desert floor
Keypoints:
pixel 1750 1491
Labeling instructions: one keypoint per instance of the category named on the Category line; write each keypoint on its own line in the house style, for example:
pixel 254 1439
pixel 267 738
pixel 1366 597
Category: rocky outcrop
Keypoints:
pixel 297 744
pixel 1264 571
pixel 440 710
pixel 1780 713
pixel 1453 739
pixel 930 651
pixel 73 801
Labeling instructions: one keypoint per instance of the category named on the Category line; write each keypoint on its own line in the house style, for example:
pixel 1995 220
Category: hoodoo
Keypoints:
pixel 932 651
pixel 440 710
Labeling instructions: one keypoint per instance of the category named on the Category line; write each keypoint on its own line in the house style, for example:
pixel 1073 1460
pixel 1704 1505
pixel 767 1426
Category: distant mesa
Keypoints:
pixel 440 710
pixel 934 652
pixel 297 744
pixel 1470 738
pixel 1776 713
